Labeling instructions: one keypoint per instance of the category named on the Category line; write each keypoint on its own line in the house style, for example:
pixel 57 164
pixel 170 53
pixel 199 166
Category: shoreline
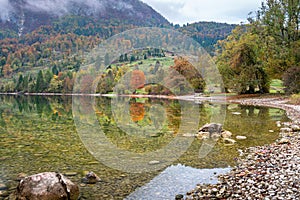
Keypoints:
pixel 293 111
pixel 263 172
pixel 216 98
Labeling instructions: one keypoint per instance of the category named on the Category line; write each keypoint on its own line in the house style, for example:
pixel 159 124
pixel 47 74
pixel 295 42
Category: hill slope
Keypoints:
pixel 208 33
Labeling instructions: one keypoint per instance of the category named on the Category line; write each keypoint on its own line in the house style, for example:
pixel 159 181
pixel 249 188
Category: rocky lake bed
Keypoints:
pixel 263 172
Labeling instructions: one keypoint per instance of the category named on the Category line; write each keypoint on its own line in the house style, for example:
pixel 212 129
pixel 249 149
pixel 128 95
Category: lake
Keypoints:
pixel 139 147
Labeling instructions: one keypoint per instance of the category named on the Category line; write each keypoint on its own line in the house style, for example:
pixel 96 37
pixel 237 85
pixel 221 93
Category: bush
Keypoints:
pixel 291 80
pixel 295 99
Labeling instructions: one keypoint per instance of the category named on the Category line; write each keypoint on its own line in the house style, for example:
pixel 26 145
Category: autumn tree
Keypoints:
pixel 138 79
pixel 137 111
pixel 184 73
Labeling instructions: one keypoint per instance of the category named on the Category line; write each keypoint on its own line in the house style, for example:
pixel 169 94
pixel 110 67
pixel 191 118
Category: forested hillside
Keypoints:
pixel 208 33
pixel 42 48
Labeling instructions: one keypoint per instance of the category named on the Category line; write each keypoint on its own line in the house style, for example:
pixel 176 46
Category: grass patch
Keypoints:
pixel 295 99
pixel 276 86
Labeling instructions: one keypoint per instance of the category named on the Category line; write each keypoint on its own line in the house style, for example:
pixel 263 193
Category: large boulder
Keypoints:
pixel 47 186
pixel 211 128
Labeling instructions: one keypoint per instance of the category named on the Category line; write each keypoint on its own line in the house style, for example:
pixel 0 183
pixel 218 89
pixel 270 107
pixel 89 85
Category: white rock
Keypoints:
pixel 278 123
pixel 226 134
pixel 286 130
pixel 154 162
pixel 236 113
pixel 203 135
pixel 284 141
pixel 229 141
pixel 240 137
pixel 295 127
pixel 189 135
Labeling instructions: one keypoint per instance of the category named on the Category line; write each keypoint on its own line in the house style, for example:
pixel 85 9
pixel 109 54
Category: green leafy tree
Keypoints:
pixel 277 25
pixel 19 86
pixel 291 80
pixel 240 63
pixel 40 82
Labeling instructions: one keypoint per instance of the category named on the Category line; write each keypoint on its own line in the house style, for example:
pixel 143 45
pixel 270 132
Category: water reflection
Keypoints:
pixel 38 134
pixel 132 146
pixel 176 179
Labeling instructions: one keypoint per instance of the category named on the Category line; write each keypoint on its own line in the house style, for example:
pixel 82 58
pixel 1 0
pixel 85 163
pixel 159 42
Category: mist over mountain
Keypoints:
pixel 24 16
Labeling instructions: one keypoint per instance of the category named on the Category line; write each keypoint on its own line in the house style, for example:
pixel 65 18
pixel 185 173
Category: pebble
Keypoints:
pixel 4 193
pixel 20 176
pixel 179 197
pixel 154 162
pixel 70 173
pixel 189 135
pixel 236 113
pixel 295 127
pixel 229 141
pixel 90 178
pixel 284 141
pixel 2 186
pixel 240 137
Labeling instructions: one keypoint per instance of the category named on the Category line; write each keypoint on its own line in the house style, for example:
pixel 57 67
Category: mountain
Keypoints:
pixel 24 16
pixel 43 42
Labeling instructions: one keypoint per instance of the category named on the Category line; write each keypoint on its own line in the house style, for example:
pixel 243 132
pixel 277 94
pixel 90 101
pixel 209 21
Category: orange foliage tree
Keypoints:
pixel 137 111
pixel 138 79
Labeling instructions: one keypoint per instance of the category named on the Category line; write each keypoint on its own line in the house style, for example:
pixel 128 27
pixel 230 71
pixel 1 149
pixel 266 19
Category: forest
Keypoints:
pixel 248 56
pixel 267 48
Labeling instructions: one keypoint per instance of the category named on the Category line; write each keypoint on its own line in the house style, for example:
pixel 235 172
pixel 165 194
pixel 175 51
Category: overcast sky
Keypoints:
pixel 183 11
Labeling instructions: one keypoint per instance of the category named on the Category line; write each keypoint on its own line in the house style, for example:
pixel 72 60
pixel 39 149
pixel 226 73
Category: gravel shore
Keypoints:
pixel 267 172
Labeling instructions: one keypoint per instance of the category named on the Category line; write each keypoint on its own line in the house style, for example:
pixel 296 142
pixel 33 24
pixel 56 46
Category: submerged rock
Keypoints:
pixel 241 137
pixel 229 141
pixel 226 134
pixel 91 178
pixel 154 162
pixel 203 135
pixel 211 128
pixel 47 186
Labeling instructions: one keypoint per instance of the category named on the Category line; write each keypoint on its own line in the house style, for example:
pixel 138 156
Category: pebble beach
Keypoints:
pixel 266 172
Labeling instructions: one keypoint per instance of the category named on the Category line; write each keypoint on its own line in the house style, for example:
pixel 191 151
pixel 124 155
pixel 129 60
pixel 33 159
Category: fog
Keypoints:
pixel 60 7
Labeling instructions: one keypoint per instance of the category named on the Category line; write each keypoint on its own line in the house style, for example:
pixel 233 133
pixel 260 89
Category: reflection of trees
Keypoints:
pixel 253 122
pixel 43 106
pixel 137 111
pixel 138 125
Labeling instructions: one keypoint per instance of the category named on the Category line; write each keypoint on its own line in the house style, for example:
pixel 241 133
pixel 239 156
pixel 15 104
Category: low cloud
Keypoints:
pixel 62 7
pixel 5 9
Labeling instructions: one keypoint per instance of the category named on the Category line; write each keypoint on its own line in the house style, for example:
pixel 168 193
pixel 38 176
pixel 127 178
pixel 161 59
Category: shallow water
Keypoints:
pixel 127 142
pixel 176 179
